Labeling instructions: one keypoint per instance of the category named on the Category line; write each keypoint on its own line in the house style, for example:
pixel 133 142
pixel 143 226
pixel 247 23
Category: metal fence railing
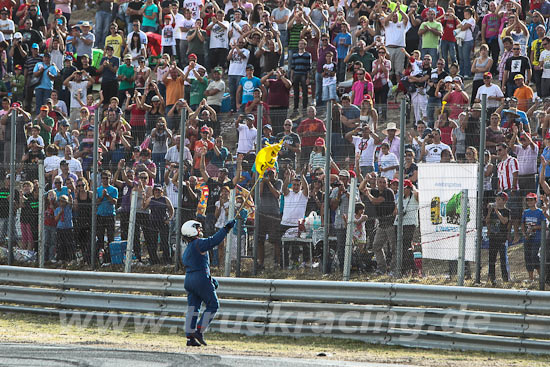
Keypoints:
pixel 392 314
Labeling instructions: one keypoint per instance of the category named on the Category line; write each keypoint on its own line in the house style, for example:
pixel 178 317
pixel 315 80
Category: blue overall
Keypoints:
pixel 198 282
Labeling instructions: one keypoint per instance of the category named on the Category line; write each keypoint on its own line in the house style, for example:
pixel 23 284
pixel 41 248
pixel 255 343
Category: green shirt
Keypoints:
pixel 46 135
pixel 366 59
pixel 294 36
pixel 430 40
pixel 196 94
pixel 128 72
pixel 150 10
pixel 17 84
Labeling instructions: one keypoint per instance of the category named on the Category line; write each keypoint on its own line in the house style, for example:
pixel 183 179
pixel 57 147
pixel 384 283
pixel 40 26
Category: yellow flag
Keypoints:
pixel 443 106
pixel 267 157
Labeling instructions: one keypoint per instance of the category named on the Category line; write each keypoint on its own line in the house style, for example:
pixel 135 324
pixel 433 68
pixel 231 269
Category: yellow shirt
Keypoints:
pixel 116 43
pixel 536 49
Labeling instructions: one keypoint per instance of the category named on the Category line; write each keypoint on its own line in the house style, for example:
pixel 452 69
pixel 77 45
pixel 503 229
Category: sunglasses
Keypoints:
pixel 516 49
pixel 287 125
pixel 486 77
pixel 57 182
pixel 143 177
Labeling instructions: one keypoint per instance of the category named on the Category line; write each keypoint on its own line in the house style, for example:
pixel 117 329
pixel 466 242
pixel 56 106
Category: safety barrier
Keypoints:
pixel 386 313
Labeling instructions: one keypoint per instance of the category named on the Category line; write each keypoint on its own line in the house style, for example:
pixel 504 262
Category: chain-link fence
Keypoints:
pixel 282 233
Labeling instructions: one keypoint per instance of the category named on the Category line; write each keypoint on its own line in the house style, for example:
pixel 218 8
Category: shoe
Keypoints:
pixel 192 342
pixel 198 337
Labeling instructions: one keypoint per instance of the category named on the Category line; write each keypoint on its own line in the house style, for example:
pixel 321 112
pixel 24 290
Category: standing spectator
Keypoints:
pixel 457 99
pixel 162 212
pixel 329 78
pixel 82 208
pixel 480 66
pixel 362 89
pixel 108 69
pixel 126 75
pixel 291 143
pixel 498 219
pixel 215 90
pixel 324 48
pixel 238 60
pixel 247 85
pixel 160 137
pixel 449 22
pixel 28 217
pixel 65 239
pixel 465 49
pixel 493 92
pixel 247 135
pixel 47 73
pixel 365 147
pixel 46 124
pixel 309 130
pixel 300 66
pixel 342 41
pixel 149 12
pixel 523 93
pixel 85 41
pixel 102 21
pixel 107 196
pixel 531 224
pixel 388 162
pixel 490 26
pixel 381 73
pixel 508 181
pixel 517 64
pixel 431 31
pixel 195 42
pixel 419 99
pixel 526 152
pixel 544 64
pixel 115 40
pixel 7 27
pixel 219 40
pixel 78 84
pixel 534 55
pixel 383 199
pixel 394 25
pixel 269 214
pixel 432 147
pixel 410 221
pixel 168 40
pixel 278 97
pixel 280 15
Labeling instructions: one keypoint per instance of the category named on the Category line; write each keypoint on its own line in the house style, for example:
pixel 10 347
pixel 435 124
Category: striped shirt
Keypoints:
pixel 506 170
pixel 301 63
pixel 294 36
pixel 30 62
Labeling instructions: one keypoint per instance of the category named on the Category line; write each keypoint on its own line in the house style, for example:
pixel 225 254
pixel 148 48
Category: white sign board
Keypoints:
pixel 440 186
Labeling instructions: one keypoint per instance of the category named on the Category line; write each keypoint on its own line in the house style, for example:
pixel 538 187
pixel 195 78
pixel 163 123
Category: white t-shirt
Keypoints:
pixel 237 64
pixel 219 35
pixel 74 88
pixel 74 166
pixel 173 154
pixel 247 138
pixel 7 25
pixel 168 35
pixel 216 99
pixel 142 36
pixel 38 139
pixel 329 80
pixel 194 6
pixel 294 209
pixel 51 163
pixel 179 23
pixel 367 148
pixel 385 161
pixel 472 24
pixel 220 222
pixel 191 75
pixel 237 28
pixel 433 152
pixel 491 91
pixel 395 34
pixel 544 61
pixel 187 23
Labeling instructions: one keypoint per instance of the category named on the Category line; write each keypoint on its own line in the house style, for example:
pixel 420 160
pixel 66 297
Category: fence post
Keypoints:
pixel 11 217
pixel 462 238
pixel 131 231
pixel 543 246
pixel 180 189
pixel 229 238
pixel 326 214
pixel 93 177
pixel 480 175
pixel 349 228
pixel 259 124
pixel 399 247
pixel 41 210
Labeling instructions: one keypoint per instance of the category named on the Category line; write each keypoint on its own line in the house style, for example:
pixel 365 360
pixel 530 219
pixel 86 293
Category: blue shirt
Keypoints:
pixel 522 117
pixel 105 208
pixel 45 81
pixel 342 49
pixel 533 218
pixel 66 220
pixel 193 258
pixel 248 88
pixel 546 155
pixel 63 191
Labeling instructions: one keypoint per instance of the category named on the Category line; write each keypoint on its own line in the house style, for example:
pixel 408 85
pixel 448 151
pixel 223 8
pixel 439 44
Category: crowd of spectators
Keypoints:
pixel 140 65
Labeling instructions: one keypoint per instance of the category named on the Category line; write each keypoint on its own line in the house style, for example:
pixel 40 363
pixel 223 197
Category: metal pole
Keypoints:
pixel 399 247
pixel 183 119
pixel 542 270
pixel 93 177
pixel 462 238
pixel 229 238
pixel 41 210
pixel 326 214
pixel 349 228
pixel 239 245
pixel 480 175
pixel 259 123
pixel 11 218
pixel 131 232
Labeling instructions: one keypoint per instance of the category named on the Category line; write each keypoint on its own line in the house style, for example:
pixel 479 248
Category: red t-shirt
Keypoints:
pixel 456 103
pixel 137 116
pixel 279 94
pixel 310 125
pixel 448 27
pixel 199 145
pixel 439 13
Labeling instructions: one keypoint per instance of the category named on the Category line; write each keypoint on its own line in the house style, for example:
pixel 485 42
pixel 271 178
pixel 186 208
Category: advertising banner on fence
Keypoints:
pixel 440 186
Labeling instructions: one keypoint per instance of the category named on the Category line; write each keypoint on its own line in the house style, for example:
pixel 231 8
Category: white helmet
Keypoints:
pixel 190 228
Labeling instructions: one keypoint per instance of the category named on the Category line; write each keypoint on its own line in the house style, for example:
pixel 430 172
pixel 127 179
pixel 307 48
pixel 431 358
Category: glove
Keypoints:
pixel 230 225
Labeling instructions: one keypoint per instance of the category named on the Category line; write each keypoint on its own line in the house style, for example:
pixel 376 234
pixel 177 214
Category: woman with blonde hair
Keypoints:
pixel 368 115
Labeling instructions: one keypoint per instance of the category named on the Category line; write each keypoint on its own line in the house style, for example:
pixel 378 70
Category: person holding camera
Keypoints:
pixel 432 147
pixel 531 224
pixel 498 225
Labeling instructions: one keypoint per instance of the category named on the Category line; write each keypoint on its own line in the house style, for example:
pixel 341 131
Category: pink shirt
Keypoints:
pixel 359 91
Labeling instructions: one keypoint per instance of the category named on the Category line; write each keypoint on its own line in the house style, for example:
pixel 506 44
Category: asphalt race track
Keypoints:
pixel 18 355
